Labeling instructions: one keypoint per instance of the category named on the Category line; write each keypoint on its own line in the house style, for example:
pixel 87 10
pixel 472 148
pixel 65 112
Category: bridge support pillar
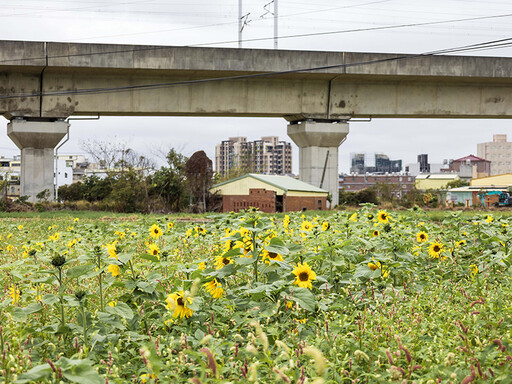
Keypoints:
pixel 37 138
pixel 318 142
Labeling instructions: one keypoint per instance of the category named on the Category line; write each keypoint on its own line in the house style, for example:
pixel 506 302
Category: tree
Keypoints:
pixel 71 192
pixel 199 171
pixel 457 183
pixel 107 154
pixel 129 193
pixel 169 183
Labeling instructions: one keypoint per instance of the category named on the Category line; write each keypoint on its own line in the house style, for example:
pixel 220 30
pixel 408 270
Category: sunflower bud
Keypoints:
pixel 58 261
pixel 80 295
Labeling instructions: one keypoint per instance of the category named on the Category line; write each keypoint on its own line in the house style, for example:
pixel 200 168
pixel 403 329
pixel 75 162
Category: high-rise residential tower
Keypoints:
pixel 268 155
pixel 498 152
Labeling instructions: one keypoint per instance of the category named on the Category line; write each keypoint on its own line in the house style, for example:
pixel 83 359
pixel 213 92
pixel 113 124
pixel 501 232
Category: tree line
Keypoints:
pixel 132 183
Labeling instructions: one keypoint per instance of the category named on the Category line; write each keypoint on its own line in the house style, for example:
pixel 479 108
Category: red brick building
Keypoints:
pixel 471 167
pixel 400 184
pixel 270 193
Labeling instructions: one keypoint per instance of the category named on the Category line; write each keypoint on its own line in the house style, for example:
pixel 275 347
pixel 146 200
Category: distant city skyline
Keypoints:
pixel 381 136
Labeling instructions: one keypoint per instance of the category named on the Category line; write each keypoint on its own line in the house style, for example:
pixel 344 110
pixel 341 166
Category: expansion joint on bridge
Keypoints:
pixel 324 121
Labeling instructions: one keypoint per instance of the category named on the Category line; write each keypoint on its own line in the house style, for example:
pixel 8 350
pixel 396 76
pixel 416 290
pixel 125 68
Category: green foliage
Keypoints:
pixel 356 198
pixel 169 183
pixel 250 297
pixel 131 189
pixel 457 183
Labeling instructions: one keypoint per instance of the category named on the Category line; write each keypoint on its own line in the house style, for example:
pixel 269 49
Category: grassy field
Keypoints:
pixel 364 296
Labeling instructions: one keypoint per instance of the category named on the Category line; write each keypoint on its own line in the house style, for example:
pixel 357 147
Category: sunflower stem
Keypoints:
pixel 84 325
pixel 100 277
pixel 131 268
pixel 100 280
pixel 256 255
pixel 61 298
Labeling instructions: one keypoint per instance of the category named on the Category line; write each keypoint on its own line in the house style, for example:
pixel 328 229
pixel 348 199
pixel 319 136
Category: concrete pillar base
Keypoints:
pixel 318 144
pixel 37 140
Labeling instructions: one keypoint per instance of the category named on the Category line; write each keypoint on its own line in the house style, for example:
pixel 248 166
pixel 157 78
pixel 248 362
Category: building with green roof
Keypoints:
pixel 270 193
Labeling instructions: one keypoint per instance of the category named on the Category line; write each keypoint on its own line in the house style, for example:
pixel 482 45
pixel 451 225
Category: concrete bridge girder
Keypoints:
pixel 292 99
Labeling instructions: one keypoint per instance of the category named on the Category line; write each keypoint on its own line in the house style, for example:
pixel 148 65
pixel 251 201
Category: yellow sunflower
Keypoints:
pixel 221 261
pixel 114 270
pixel 177 302
pixel 155 231
pixel 214 288
pixel 153 249
pixel 200 231
pixel 244 231
pixel 170 225
pixel 267 256
pixel 15 294
pixel 228 244
pixel 378 265
pixel 374 266
pixel 474 270
pixel 304 275
pixel 383 217
pixel 72 243
pixel 460 243
pixel 245 245
pixel 112 250
pixel 435 249
pixel 145 377
pixel 306 226
pixel 421 237
pixel 376 233
pixel 54 237
pixel 286 221
pixel 325 226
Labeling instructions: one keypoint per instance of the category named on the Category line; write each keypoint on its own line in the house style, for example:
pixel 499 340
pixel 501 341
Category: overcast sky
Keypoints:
pixel 215 23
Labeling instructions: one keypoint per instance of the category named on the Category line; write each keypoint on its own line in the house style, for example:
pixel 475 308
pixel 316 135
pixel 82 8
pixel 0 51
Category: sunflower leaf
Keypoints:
pixel 245 260
pixel 302 296
pixel 147 256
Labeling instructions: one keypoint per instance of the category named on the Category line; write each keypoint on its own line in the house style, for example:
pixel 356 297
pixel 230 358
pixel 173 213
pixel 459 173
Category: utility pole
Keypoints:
pixel 275 24
pixel 239 23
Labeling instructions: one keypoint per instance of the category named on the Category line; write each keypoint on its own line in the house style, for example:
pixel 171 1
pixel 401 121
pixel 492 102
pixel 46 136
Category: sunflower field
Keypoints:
pixel 370 296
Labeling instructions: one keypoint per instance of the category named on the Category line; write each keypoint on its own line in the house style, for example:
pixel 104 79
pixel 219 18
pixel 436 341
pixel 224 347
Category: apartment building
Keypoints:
pixel 498 152
pixel 268 155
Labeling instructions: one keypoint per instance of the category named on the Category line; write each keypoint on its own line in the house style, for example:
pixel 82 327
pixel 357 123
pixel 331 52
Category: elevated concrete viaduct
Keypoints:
pixel 41 84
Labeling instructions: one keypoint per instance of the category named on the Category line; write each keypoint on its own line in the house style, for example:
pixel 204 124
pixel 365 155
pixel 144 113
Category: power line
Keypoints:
pixel 235 22
pixel 479 46
pixel 368 29
pixel 76 8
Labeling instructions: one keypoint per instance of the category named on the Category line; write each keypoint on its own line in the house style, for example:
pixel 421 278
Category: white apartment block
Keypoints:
pixel 498 152
pixel 268 155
